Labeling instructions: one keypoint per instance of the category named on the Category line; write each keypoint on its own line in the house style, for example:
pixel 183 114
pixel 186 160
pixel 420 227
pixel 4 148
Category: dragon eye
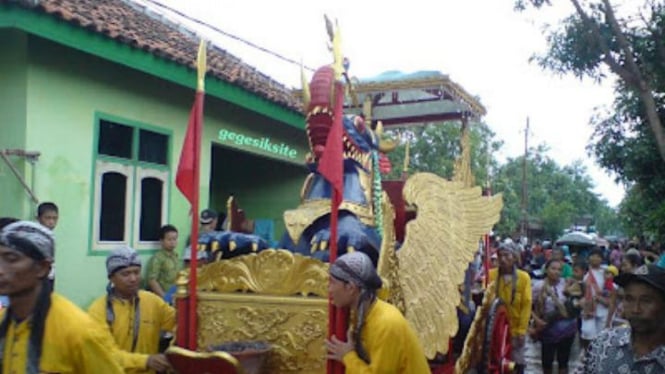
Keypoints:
pixel 359 122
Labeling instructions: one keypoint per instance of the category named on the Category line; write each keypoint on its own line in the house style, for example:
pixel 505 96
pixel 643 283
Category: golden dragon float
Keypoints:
pixel 421 231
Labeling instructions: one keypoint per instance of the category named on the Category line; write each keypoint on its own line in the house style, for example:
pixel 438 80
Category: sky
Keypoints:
pixel 483 45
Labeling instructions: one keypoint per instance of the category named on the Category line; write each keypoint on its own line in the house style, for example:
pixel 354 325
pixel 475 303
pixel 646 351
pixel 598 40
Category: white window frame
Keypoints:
pixel 102 167
pixel 143 172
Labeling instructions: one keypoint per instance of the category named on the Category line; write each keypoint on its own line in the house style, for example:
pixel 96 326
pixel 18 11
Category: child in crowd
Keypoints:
pixel 575 285
pixel 47 216
pixel 612 293
pixel 163 266
pixel 609 286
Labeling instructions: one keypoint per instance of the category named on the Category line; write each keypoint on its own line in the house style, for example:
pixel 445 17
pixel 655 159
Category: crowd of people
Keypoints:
pixel 611 299
pixel 123 330
pixel 42 331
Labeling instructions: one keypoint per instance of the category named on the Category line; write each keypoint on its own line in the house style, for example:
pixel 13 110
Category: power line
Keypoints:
pixel 228 35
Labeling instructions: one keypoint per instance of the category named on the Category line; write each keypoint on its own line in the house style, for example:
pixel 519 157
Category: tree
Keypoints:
pixel 435 147
pixel 633 48
pixel 557 195
pixel 622 143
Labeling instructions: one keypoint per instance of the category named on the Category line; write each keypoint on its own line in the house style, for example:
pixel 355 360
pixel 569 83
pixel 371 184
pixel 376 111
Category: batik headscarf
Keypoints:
pixel 120 258
pixel 357 268
pixel 36 242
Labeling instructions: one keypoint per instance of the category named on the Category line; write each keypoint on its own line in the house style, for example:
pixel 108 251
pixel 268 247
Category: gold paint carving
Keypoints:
pixel 270 272
pixel 439 242
pixel 295 326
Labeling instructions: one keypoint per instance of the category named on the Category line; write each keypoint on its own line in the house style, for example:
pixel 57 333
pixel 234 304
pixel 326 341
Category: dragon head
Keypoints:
pixel 359 139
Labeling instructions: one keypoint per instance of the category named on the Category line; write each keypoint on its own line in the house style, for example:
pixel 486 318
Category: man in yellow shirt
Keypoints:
pixel 514 289
pixel 42 332
pixel 380 339
pixel 135 317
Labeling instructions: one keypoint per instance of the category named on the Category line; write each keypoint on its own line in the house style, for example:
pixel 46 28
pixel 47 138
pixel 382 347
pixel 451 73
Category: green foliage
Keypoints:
pixel 435 147
pixel 623 142
pixel 557 195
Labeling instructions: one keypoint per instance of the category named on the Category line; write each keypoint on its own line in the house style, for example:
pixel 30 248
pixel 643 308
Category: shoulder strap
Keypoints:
pixel 110 318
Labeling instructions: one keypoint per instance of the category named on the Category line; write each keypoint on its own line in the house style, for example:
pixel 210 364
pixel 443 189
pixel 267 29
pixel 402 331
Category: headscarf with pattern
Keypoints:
pixel 357 268
pixel 36 242
pixel 120 258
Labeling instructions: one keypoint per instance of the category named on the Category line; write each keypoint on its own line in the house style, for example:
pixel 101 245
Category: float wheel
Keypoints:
pixel 497 344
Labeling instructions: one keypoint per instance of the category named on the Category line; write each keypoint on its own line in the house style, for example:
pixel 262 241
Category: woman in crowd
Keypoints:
pixel 631 261
pixel 554 326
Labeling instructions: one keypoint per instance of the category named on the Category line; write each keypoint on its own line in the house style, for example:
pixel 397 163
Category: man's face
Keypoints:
pixel 557 254
pixel 644 307
pixel 207 227
pixel 49 219
pixel 578 273
pixel 506 260
pixel 19 273
pixel 170 240
pixel 595 260
pixel 127 281
pixel 342 293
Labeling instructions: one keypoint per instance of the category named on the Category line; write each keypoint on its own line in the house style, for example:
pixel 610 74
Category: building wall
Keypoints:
pixel 13 101
pixel 263 190
pixel 66 91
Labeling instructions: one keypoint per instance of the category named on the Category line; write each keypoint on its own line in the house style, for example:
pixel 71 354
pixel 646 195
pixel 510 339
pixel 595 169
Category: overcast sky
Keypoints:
pixel 482 45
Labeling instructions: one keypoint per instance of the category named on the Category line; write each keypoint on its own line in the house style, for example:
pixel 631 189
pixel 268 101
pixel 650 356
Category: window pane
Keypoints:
pixel 153 147
pixel 115 139
pixel 112 217
pixel 151 209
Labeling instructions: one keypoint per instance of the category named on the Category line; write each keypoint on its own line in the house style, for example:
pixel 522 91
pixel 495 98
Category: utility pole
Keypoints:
pixel 525 215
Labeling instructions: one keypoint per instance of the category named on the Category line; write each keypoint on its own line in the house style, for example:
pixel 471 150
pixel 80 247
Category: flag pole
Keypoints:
pixel 198 108
pixel 336 317
pixel 188 180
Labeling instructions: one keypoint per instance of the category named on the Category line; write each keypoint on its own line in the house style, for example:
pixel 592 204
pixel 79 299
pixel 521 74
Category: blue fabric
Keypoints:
pixel 4 300
pixel 661 261
pixel 168 296
pixel 265 228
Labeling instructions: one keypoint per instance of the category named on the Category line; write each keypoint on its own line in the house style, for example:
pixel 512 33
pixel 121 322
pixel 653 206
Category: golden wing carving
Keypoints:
pixel 439 244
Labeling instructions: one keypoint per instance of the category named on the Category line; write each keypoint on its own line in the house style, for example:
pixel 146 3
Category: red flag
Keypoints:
pixel 188 167
pixel 331 163
pixel 187 180
pixel 331 167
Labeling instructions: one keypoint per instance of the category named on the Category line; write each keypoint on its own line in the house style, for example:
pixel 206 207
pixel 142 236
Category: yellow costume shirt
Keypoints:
pixel 519 306
pixel 156 316
pixel 73 343
pixel 390 342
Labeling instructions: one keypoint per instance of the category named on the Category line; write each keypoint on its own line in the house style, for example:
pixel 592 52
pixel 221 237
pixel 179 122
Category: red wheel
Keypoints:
pixel 497 347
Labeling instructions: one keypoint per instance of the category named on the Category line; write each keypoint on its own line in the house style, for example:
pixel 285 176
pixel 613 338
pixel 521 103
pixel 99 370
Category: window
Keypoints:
pixel 131 185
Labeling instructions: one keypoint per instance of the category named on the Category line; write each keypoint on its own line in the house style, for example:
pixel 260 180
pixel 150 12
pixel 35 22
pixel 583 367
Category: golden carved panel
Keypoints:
pixel 270 272
pixel 295 326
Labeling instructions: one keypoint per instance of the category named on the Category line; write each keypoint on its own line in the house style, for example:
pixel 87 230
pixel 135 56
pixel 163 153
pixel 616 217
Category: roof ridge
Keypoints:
pixel 143 27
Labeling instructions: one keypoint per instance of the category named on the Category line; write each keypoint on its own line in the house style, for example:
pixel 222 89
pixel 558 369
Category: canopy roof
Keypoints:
pixel 399 99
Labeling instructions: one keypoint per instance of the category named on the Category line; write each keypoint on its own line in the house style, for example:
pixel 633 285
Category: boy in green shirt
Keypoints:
pixel 163 266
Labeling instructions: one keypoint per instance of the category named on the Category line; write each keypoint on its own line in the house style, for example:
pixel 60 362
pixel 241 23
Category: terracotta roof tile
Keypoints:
pixel 129 24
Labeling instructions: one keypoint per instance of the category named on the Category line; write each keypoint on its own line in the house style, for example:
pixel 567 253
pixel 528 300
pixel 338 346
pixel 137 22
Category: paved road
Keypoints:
pixel 533 357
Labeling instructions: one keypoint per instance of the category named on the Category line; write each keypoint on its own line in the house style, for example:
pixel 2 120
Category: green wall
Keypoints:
pixel 66 89
pixel 13 101
pixel 263 188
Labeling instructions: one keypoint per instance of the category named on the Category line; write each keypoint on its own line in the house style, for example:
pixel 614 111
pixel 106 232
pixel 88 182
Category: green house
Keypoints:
pixel 94 102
